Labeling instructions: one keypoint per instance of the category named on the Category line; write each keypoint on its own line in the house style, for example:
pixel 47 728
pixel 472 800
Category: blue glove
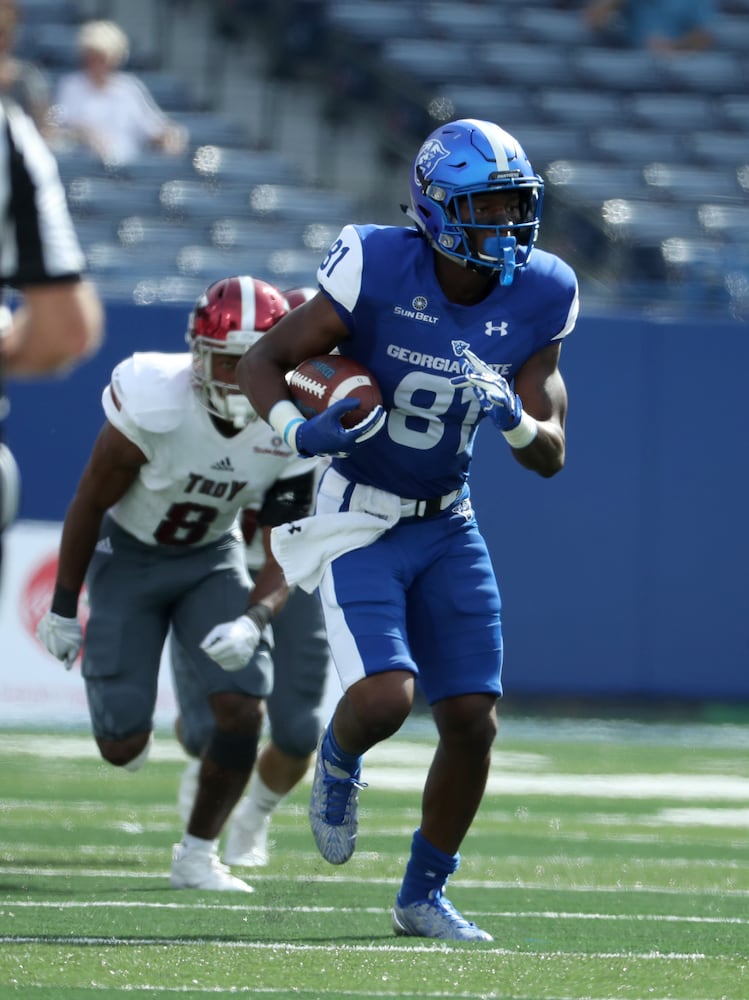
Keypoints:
pixel 324 434
pixel 492 390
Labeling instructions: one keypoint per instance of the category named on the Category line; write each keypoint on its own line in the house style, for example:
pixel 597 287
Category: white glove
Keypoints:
pixel 232 644
pixel 63 637
pixel 492 390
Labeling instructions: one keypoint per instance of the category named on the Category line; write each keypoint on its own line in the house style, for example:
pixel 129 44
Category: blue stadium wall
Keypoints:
pixel 624 576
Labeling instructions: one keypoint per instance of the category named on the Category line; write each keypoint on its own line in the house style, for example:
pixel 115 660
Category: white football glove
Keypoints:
pixel 232 644
pixel 492 390
pixel 62 637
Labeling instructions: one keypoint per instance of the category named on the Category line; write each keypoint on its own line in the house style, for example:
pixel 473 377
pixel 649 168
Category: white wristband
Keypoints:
pixel 285 418
pixel 525 432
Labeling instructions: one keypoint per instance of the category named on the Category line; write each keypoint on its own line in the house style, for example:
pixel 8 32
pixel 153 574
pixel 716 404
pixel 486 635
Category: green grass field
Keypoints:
pixel 609 860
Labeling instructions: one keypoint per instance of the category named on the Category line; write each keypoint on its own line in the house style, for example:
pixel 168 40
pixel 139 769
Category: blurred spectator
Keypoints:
pixel 109 111
pixel 21 80
pixel 658 25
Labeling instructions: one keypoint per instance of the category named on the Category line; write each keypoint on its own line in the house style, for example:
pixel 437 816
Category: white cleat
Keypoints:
pixel 334 809
pixel 435 917
pixel 200 869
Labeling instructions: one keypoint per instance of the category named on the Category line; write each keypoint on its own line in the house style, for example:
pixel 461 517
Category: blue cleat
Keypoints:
pixel 435 917
pixel 334 810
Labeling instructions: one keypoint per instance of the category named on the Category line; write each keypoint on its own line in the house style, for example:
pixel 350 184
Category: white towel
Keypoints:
pixel 306 547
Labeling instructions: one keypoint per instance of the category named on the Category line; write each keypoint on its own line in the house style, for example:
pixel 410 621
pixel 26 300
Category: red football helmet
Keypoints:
pixel 227 319
pixel 296 296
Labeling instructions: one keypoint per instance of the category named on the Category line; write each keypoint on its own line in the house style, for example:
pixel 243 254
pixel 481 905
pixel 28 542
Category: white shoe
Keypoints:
pixel 188 788
pixel 200 869
pixel 247 837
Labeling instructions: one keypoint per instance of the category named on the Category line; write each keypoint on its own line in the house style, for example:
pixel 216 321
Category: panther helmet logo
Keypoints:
pixel 430 154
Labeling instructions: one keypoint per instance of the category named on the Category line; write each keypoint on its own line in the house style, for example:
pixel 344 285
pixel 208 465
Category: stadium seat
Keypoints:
pixel 685 183
pixel 545 144
pixel 505 104
pixel 56 45
pixel 730 148
pixel 713 72
pixel 110 198
pixel 429 61
pixel 636 145
pixel 242 166
pixel 619 69
pixel 591 183
pixel 584 108
pixel 243 235
pixel 293 267
pixel 734 111
pixel 641 221
pixel 728 221
pixel 545 25
pixel 672 111
pixel 207 127
pixel 195 199
pixel 169 90
pixel 374 21
pixel 143 233
pixel 465 22
pixel 520 65
pixel 731 33
pixel 211 263
pixel 301 204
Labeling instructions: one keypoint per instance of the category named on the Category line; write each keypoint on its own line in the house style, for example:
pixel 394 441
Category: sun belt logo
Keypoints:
pixel 500 328
pixel 36 597
pixel 418 305
pixel 430 154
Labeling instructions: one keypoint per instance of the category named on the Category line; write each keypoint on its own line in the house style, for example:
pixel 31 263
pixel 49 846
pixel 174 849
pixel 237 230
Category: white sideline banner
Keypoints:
pixel 34 686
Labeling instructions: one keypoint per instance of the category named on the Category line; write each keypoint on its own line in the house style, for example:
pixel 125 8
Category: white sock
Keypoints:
pixel 259 797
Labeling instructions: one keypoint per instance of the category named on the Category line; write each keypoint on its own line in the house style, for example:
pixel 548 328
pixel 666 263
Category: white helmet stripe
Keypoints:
pixel 247 291
pixel 496 137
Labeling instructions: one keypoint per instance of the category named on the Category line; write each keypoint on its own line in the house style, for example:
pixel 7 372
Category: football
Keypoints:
pixel 317 382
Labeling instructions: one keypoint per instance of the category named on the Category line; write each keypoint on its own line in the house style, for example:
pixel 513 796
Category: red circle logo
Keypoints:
pixel 36 596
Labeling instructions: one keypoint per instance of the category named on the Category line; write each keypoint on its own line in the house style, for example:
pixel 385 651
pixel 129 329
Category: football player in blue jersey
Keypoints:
pixel 461 319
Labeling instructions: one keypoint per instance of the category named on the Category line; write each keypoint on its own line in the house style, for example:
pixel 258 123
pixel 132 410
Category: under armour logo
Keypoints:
pixel 491 328
pixel 294 527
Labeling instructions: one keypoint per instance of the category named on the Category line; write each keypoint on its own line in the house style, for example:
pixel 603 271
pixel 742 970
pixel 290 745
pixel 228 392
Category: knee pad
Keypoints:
pixel 232 751
pixel 297 737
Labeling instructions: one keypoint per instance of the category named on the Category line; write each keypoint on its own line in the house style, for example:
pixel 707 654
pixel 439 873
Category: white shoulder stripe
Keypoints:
pixel 571 318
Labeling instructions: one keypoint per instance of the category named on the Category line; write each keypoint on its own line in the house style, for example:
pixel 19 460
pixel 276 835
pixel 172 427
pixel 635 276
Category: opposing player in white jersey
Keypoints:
pixel 460 318
pixel 152 529
pixel 294 708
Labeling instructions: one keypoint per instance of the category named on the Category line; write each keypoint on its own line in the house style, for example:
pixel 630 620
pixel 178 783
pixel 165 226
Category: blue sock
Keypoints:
pixel 428 868
pixel 348 762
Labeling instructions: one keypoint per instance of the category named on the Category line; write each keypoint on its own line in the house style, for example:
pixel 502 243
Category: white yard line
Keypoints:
pixel 512 773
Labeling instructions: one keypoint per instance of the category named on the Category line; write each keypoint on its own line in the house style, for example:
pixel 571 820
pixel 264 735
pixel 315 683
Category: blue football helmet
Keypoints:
pixel 458 161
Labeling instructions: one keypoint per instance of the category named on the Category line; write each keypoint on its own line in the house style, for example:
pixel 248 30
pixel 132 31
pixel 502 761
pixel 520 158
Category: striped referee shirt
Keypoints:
pixel 38 243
